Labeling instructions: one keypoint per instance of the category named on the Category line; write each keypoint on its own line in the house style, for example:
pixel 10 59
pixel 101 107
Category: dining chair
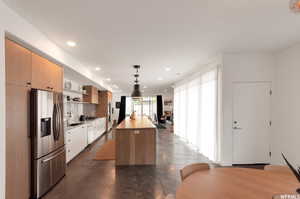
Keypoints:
pixel 192 168
pixel 278 169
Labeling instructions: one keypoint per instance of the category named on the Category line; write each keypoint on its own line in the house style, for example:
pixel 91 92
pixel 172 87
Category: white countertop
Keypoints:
pixel 67 128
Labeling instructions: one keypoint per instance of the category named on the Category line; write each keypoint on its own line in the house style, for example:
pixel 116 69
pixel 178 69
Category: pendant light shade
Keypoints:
pixel 136 88
pixel 136 91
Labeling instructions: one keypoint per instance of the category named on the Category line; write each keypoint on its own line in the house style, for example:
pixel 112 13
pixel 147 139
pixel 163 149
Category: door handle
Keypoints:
pixel 237 128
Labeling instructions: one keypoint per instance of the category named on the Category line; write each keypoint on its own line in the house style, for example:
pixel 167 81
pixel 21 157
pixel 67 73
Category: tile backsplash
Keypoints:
pixel 89 109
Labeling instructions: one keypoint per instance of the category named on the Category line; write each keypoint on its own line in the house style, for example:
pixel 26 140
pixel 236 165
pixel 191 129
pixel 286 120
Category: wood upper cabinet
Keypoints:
pixel 18 154
pixel 17 64
pixel 103 100
pixel 102 109
pixel 109 96
pixel 24 68
pixel 46 75
pixel 91 95
pixel 57 78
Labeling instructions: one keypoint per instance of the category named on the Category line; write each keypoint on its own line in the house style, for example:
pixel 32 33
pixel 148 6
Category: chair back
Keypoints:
pixel 193 168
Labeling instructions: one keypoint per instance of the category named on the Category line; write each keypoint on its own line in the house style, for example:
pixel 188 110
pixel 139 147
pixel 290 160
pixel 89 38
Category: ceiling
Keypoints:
pixel 156 34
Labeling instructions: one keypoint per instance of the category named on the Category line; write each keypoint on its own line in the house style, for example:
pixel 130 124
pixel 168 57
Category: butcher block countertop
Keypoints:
pixel 141 122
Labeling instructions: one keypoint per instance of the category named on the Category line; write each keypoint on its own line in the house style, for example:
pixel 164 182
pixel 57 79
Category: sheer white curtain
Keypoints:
pixel 195 112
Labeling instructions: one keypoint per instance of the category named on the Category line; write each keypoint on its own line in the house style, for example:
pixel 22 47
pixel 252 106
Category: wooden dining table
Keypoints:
pixel 236 183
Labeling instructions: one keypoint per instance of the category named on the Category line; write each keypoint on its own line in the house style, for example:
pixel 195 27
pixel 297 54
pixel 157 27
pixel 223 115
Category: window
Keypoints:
pixel 195 112
pixel 143 106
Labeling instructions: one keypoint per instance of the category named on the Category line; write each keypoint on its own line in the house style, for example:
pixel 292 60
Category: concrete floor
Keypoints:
pixel 90 179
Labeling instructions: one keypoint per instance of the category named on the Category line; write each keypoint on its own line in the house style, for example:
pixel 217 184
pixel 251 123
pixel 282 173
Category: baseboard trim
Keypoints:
pixel 225 164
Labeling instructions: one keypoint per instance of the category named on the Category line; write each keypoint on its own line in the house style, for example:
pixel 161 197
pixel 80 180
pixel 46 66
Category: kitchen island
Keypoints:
pixel 135 142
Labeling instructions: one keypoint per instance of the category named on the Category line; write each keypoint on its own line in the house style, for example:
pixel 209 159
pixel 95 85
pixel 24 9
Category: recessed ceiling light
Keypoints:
pixel 143 91
pixel 159 78
pixel 144 86
pixel 167 68
pixel 108 79
pixel 97 68
pixel 71 43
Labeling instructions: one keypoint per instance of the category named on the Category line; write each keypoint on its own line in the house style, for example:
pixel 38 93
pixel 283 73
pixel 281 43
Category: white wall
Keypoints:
pixel 286 106
pixel 239 67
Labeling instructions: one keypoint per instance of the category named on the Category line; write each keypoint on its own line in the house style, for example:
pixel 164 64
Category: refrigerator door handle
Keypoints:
pixel 52 157
pixel 59 121
pixel 55 121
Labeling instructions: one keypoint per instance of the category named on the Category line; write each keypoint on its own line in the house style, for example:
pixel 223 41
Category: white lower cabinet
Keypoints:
pixel 76 141
pixel 95 129
pixel 79 137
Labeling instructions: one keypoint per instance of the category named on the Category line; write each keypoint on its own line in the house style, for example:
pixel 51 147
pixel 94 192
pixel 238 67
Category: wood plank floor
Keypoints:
pixel 90 179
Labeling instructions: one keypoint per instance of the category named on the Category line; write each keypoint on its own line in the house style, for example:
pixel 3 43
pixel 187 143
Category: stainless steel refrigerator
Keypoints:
pixel 48 147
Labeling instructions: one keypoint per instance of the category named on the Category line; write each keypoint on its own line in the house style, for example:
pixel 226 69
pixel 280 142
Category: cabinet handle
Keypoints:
pixel 48 87
pixel 28 83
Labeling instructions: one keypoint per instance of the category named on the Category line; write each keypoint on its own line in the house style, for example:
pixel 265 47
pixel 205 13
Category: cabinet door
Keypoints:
pixel 72 144
pixel 90 133
pixel 17 142
pixel 125 147
pixel 95 95
pixel 17 64
pixel 145 147
pixel 41 73
pixel 78 140
pixel 57 78
pixel 69 149
pixel 109 96
pixel 102 125
pixel 92 95
pixel 82 138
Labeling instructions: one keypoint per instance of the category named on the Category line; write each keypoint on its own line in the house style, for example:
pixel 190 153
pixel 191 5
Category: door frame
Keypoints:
pixel 232 115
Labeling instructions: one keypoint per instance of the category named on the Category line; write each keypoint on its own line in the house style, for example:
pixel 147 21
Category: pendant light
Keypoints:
pixel 136 89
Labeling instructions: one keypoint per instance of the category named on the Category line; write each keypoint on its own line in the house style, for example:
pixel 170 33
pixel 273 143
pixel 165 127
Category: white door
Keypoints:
pixel 251 122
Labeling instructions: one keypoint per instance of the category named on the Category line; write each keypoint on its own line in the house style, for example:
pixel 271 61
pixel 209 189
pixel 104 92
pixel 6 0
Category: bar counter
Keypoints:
pixel 135 142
